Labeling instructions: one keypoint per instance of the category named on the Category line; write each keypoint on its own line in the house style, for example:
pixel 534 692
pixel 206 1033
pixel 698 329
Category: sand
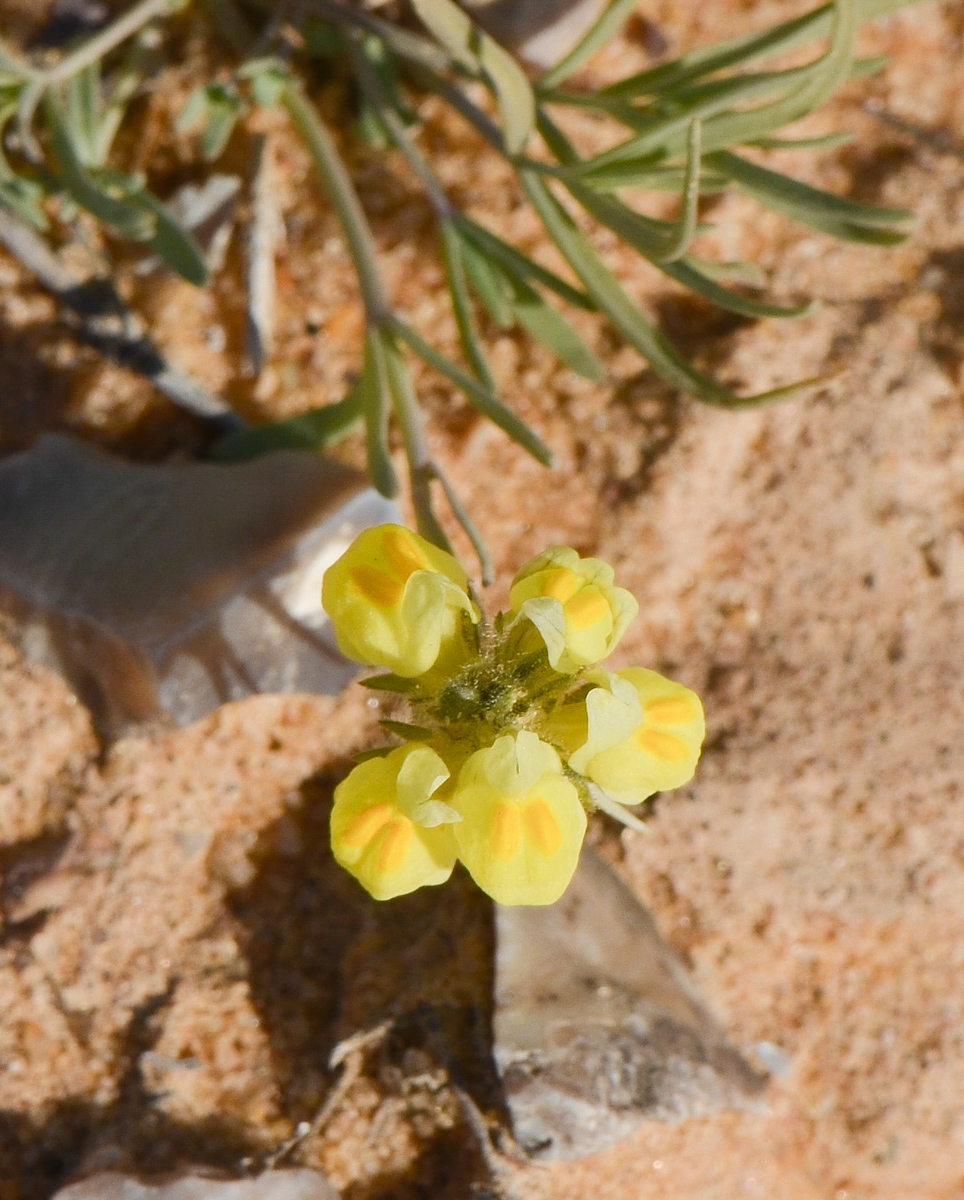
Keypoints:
pixel 179 955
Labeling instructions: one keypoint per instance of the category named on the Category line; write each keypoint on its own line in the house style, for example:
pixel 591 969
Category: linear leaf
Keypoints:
pixel 314 430
pixel 689 211
pixel 174 244
pixel 686 273
pixel 606 27
pixel 743 50
pixel 514 260
pixel 490 285
pixel 552 329
pixel 661 354
pixel 481 54
pixel 113 206
pixel 827 141
pixel 485 401
pixel 453 255
pixel 82 112
pixel 375 402
pixel 812 206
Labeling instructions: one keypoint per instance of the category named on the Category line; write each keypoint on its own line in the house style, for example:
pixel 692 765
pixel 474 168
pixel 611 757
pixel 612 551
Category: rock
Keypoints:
pixel 175 588
pixel 272 1185
pixel 540 31
pixel 597 1027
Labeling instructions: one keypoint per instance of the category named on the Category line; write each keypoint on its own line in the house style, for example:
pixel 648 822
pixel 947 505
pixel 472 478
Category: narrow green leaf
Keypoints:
pixel 224 108
pixel 803 89
pixel 494 247
pixel 827 142
pixel 831 214
pixel 680 241
pixel 552 329
pixel 311 431
pixel 24 198
pixel 19 195
pixel 481 54
pixel 490 285
pixel 455 267
pixel 735 271
pixel 610 21
pixel 421 470
pixel 390 683
pixel 82 104
pixel 864 68
pixel 686 273
pixel 653 121
pixel 114 206
pixel 375 400
pixel 816 88
pixel 743 50
pixel 508 298
pixel 602 286
pixel 487 404
pixel 174 244
pixel 645 175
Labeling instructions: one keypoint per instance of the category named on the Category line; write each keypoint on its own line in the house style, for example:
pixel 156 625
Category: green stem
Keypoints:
pixel 344 200
pixel 102 43
pixel 388 115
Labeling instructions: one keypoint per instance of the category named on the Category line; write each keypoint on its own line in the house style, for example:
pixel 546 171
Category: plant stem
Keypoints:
pixel 344 200
pixel 388 115
pixel 102 43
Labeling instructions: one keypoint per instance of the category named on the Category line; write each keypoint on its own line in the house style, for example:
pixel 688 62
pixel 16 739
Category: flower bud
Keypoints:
pixel 574 605
pixel 522 822
pixel 388 828
pixel 396 601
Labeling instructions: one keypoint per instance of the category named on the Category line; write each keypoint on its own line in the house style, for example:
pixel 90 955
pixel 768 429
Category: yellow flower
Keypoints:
pixel 574 605
pixel 387 829
pixel 396 601
pixel 598 720
pixel 659 754
pixel 522 822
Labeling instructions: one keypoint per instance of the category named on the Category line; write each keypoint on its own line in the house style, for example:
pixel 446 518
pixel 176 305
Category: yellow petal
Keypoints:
pixel 521 829
pixel 663 751
pixel 396 601
pixel 590 613
pixel 373 839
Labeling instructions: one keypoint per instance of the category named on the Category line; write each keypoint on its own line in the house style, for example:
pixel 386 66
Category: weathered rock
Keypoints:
pixel 178 587
pixel 271 1185
pixel 540 31
pixel 597 1027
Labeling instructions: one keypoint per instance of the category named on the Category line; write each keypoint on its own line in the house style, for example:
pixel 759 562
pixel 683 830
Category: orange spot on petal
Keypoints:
pixel 542 827
pixel 361 829
pixel 377 586
pixel 662 745
pixel 561 585
pixel 588 608
pixel 402 554
pixel 506 835
pixel 394 846
pixel 670 710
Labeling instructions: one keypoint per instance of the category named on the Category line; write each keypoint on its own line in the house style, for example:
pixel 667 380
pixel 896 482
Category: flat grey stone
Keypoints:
pixel 172 589
pixel 540 31
pixel 597 1027
pixel 272 1185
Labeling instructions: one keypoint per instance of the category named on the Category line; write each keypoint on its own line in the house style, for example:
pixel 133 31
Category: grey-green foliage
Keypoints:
pixel 687 124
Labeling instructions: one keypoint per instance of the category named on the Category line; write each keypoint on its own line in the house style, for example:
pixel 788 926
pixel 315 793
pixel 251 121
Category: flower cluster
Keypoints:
pixel 516 732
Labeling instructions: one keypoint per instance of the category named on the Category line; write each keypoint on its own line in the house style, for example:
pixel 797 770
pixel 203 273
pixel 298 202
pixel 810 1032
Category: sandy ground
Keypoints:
pixel 178 954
